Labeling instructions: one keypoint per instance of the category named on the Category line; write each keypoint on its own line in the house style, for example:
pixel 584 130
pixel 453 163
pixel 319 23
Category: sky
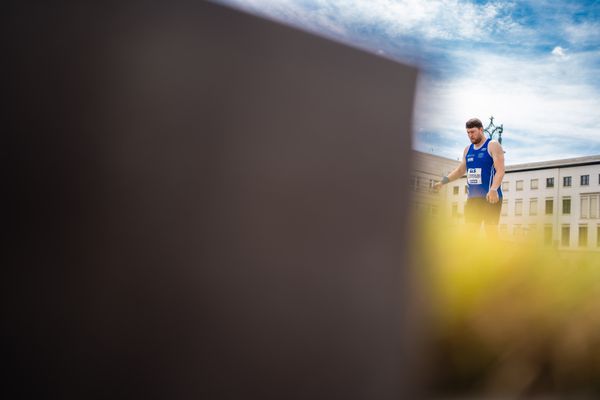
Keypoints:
pixel 533 65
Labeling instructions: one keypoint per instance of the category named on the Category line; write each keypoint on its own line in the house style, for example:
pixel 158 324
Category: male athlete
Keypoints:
pixel 483 162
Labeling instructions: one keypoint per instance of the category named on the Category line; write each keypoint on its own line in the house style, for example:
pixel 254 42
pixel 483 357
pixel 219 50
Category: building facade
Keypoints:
pixel 427 169
pixel 557 201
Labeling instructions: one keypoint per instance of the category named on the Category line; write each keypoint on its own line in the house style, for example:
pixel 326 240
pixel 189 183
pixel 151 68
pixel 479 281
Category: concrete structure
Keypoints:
pixel 203 205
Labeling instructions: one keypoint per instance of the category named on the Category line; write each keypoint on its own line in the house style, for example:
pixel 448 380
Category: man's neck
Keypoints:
pixel 480 143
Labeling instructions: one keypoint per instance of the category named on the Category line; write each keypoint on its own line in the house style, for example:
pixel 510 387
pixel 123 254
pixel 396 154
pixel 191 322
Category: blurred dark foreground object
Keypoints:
pixel 203 204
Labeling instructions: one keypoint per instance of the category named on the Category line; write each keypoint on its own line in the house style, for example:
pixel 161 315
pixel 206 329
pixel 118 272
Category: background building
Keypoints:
pixel 557 200
pixel 427 169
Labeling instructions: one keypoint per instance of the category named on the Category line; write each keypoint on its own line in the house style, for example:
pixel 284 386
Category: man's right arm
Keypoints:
pixel 455 174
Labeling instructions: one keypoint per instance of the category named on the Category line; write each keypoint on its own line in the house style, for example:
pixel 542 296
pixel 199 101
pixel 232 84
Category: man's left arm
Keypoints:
pixel 498 156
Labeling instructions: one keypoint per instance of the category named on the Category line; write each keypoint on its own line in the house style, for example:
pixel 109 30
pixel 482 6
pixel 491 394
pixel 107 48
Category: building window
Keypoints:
pixel 565 236
pixel 585 206
pixel 533 206
pixel 517 230
pixel 519 207
pixel 505 186
pixel 424 185
pixel 533 184
pixel 502 229
pixel 589 205
pixel 466 189
pixel 566 181
pixel 585 180
pixel 549 182
pixel 566 205
pixel 415 183
pixel 519 185
pixel 455 190
pixel 548 235
pixel 533 229
pixel 583 236
pixel 504 211
pixel 549 210
pixel 431 184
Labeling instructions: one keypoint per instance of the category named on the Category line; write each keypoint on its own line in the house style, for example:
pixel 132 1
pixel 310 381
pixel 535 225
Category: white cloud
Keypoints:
pixel 559 52
pixel 429 20
pixel 582 34
pixel 548 101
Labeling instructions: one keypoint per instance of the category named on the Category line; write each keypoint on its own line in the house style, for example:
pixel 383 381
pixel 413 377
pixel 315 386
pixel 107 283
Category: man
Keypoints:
pixel 483 162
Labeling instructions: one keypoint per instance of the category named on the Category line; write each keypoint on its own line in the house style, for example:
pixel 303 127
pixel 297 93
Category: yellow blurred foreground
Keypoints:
pixel 509 318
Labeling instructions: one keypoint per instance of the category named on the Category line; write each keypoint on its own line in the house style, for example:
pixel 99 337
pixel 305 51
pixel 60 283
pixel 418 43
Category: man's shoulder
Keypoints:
pixel 494 146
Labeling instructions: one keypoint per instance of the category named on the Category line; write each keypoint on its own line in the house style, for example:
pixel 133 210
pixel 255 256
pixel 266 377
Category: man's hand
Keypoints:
pixel 437 186
pixel 492 196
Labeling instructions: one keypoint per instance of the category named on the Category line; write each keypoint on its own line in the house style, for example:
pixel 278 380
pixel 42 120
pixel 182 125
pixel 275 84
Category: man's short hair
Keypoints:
pixel 474 123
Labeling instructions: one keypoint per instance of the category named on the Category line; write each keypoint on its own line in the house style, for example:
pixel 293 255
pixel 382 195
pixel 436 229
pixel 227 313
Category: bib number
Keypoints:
pixel 474 176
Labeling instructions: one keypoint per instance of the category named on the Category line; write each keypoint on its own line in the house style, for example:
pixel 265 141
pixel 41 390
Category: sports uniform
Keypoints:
pixel 480 176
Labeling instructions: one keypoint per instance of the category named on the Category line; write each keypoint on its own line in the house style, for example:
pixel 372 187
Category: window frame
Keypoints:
pixel 566 200
pixel 536 180
pixel 551 202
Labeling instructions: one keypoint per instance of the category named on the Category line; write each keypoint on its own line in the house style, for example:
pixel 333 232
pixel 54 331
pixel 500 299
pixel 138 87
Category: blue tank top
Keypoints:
pixel 480 171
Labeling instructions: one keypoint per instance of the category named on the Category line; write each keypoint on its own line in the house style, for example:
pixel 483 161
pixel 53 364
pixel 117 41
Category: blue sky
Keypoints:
pixel 533 65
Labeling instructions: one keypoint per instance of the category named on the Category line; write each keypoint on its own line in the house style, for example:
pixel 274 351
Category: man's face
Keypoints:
pixel 475 135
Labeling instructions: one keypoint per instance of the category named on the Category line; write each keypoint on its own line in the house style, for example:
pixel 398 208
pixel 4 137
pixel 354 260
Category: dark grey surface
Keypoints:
pixel 203 205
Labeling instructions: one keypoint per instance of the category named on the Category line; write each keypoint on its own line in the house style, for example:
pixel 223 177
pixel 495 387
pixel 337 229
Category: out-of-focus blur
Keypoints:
pixel 203 205
pixel 510 318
